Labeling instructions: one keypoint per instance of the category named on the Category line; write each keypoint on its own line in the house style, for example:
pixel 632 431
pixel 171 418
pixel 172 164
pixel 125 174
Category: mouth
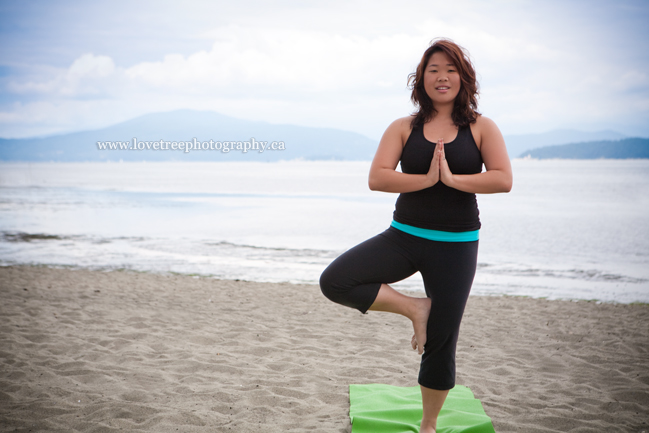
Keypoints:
pixel 442 88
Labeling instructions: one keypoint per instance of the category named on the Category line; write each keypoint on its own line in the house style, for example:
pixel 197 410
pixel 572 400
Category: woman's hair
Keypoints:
pixel 465 109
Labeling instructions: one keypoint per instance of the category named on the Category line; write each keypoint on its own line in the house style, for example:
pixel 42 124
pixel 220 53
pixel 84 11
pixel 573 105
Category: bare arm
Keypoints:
pixel 383 174
pixel 497 178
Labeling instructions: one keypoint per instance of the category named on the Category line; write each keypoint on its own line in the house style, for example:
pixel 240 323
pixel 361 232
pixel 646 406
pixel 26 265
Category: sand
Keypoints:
pixel 99 351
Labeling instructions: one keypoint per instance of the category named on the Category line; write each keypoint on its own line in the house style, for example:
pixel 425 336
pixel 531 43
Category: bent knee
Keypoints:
pixel 328 286
pixel 337 288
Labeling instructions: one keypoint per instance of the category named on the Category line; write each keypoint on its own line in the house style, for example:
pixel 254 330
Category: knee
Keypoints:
pixel 328 286
pixel 337 288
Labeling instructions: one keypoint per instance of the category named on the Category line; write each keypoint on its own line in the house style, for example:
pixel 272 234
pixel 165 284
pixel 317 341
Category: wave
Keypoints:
pixel 572 274
pixel 242 259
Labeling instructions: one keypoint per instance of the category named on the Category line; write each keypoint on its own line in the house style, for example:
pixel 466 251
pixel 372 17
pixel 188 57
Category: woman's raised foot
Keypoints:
pixel 419 323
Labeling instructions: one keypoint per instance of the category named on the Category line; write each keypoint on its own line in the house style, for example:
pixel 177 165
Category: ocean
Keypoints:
pixel 568 229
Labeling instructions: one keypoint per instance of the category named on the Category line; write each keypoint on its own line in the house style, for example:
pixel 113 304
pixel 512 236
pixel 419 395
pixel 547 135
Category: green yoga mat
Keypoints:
pixel 380 408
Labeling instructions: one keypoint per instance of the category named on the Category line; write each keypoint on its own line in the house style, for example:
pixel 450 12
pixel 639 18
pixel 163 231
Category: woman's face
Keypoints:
pixel 441 80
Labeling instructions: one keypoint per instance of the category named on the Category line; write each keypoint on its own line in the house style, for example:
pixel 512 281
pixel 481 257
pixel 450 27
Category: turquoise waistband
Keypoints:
pixel 437 235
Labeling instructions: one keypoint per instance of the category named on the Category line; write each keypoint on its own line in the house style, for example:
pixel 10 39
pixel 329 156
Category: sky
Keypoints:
pixel 542 65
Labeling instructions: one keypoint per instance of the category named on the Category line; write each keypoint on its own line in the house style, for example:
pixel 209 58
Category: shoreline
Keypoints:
pixel 107 269
pixel 93 350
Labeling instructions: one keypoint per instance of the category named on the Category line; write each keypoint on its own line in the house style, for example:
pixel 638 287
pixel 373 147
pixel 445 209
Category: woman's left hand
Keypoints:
pixel 445 174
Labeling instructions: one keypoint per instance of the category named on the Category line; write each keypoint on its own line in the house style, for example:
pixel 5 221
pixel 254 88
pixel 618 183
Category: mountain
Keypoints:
pixel 619 149
pixel 185 125
pixel 517 144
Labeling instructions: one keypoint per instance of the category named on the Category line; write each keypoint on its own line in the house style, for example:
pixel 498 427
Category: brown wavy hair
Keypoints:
pixel 465 108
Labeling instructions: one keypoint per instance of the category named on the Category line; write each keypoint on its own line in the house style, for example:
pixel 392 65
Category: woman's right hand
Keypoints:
pixel 433 171
pixel 383 174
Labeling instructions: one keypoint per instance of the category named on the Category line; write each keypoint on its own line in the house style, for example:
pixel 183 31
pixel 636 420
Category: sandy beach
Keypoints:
pixel 99 351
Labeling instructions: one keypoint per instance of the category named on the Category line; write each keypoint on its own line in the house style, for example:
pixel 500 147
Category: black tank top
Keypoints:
pixel 440 207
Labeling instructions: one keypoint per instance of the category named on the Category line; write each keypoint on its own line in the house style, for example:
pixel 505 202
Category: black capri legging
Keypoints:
pixel 447 268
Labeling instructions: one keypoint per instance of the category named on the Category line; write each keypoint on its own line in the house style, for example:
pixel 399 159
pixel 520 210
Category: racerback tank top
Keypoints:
pixel 439 207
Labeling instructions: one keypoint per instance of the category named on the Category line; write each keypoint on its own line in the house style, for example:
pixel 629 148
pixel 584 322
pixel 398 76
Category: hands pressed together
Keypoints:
pixel 439 169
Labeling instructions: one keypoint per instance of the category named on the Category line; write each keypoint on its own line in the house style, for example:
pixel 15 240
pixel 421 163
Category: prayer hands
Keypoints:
pixel 439 169
pixel 445 174
pixel 433 171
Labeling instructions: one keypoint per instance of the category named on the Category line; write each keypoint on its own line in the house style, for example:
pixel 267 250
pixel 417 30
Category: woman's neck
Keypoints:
pixel 444 111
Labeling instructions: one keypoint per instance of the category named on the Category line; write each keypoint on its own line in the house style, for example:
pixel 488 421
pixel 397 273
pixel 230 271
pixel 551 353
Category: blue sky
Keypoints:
pixel 542 65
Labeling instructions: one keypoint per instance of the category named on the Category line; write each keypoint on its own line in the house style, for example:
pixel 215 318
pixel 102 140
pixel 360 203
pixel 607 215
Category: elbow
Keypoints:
pixel 500 182
pixel 374 182
pixel 507 184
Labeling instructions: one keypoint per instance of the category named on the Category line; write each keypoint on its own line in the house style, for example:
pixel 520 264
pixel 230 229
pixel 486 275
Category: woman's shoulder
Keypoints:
pixel 485 130
pixel 483 121
pixel 403 122
pixel 403 127
pixel 483 126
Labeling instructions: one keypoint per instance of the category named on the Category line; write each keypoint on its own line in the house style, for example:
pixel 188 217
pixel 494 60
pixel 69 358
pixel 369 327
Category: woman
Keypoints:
pixel 442 148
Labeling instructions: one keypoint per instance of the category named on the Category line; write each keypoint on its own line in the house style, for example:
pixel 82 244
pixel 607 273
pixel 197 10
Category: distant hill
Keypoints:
pixel 619 149
pixel 517 144
pixel 185 125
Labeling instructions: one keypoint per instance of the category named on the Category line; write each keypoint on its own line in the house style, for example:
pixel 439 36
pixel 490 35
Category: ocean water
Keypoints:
pixel 568 229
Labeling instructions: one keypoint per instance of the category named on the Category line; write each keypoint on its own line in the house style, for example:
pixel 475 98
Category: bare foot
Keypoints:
pixel 419 323
pixel 427 430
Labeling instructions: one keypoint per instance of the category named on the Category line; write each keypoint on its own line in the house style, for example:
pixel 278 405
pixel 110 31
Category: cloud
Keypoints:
pixel 88 75
pixel 282 63
pixel 244 62
pixel 345 66
pixel 247 68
